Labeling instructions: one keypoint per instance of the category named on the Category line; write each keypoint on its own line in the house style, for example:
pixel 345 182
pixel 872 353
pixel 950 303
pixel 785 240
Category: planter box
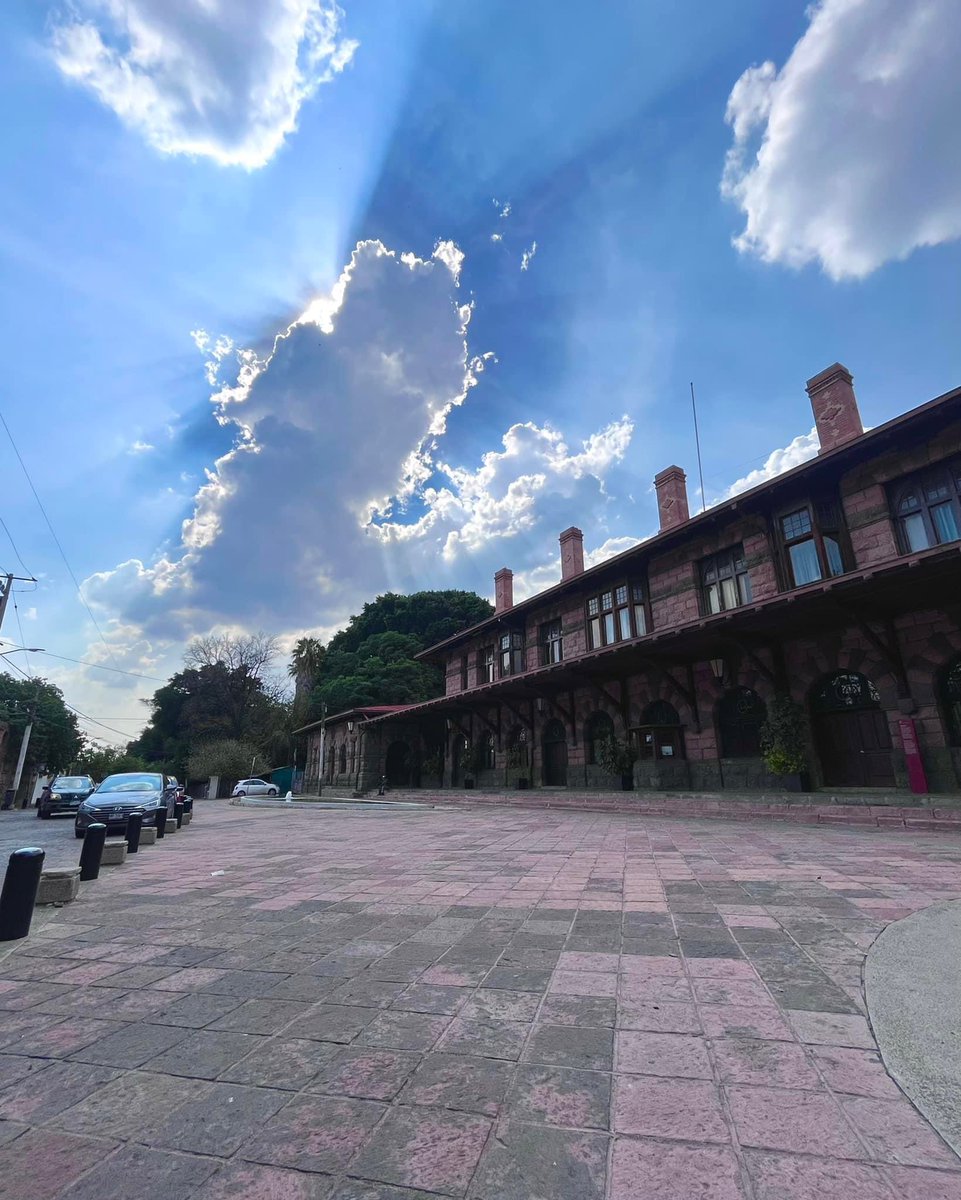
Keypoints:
pixel 800 782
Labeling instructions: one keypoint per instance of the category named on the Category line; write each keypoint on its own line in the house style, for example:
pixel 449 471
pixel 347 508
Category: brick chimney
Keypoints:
pixel 503 590
pixel 572 552
pixel 835 407
pixel 671 487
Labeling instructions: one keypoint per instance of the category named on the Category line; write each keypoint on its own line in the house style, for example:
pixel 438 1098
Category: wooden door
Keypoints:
pixel 555 755
pixel 855 748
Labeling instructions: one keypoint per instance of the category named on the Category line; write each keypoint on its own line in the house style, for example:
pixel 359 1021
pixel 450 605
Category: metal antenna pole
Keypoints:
pixel 697 443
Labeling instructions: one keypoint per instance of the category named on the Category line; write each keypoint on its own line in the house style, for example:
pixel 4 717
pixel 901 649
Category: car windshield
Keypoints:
pixel 71 783
pixel 131 783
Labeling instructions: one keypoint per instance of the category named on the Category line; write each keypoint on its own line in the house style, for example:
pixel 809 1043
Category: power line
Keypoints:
pixel 16 609
pixel 83 715
pixel 53 534
pixel 14 545
pixel 100 667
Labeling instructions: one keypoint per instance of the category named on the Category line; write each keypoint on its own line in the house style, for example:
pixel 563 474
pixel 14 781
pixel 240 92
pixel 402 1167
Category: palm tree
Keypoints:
pixel 305 665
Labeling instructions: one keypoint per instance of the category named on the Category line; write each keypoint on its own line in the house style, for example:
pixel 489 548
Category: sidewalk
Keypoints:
pixel 895 809
pixel 484 1004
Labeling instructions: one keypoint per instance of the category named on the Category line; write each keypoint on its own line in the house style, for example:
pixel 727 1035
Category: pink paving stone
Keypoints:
pixel 650 966
pixel 752 1060
pixel 579 961
pixel 896 1133
pixel 855 1072
pixel 788 1177
pixel 745 993
pixel 919 1183
pixel 802 1122
pixel 669 1171
pixel 657 1017
pixel 672 1054
pixel 831 1029
pixel 728 1020
pixel 721 968
pixel 674 988
pixel 583 983
pixel 681 1109
pixel 749 921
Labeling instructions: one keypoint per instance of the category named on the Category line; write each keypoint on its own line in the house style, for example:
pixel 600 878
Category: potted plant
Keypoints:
pixel 784 744
pixel 433 764
pixel 616 757
pixel 516 761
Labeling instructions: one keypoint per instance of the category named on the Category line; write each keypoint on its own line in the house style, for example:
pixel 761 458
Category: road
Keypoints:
pixel 22 828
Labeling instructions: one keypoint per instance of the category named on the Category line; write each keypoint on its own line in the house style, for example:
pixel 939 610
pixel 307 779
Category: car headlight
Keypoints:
pixel 55 796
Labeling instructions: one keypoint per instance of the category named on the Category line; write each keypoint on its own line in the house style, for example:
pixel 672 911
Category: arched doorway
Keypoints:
pixel 740 715
pixel 554 742
pixel 851 732
pixel 397 768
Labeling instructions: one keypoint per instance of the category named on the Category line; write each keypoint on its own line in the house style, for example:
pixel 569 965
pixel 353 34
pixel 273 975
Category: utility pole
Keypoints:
pixel 7 589
pixel 323 744
pixel 24 744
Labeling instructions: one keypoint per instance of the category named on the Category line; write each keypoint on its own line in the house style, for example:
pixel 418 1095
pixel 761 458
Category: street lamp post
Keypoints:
pixel 28 730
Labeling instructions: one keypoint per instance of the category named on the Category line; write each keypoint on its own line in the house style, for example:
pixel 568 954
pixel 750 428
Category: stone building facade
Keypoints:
pixel 837 584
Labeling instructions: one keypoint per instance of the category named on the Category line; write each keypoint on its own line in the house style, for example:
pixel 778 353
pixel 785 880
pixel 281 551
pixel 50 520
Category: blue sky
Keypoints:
pixel 545 222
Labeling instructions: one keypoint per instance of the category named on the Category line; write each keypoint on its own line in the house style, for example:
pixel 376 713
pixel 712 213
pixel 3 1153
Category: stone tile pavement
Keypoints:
pixel 493 1004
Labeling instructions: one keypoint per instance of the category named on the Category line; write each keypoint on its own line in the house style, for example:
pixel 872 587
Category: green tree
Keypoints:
pixel 373 660
pixel 305 667
pixel 99 761
pixel 224 693
pixel 228 757
pixel 55 740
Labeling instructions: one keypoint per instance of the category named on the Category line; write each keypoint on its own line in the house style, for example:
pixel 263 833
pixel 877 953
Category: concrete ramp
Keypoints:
pixel 912 979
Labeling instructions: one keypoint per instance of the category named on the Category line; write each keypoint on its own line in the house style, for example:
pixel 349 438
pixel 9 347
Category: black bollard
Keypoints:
pixel 19 893
pixel 134 825
pixel 179 812
pixel 188 804
pixel 92 850
pixel 161 822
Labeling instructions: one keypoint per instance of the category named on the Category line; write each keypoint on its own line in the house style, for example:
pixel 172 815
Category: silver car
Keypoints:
pixel 254 787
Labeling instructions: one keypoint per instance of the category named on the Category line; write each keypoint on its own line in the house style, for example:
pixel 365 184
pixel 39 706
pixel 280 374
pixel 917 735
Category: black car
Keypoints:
pixel 120 795
pixel 66 793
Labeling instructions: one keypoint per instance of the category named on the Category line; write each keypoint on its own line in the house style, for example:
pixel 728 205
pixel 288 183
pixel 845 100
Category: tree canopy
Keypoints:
pixel 224 693
pixel 55 740
pixel 372 660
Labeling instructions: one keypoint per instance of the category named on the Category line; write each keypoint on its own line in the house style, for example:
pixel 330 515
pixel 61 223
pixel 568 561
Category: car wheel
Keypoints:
pixel 39 811
pixel 77 832
pixel 271 791
pixel 239 794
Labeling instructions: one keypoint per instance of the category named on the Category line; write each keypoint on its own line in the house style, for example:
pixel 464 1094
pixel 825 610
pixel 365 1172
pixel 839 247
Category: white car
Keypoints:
pixel 254 787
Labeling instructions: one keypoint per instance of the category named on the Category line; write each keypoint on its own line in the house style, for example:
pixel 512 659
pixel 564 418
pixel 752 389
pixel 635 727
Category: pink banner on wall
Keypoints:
pixel 912 756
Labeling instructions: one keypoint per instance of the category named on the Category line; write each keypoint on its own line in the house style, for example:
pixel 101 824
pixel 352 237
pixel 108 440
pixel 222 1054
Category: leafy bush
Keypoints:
pixel 616 756
pixel 784 738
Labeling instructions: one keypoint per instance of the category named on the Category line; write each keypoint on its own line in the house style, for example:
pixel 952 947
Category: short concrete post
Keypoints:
pixel 114 852
pixel 59 886
pixel 92 851
pixel 148 836
pixel 19 894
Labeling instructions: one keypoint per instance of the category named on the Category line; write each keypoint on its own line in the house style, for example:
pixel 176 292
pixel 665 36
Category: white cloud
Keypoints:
pixel 204 77
pixel 338 485
pixel 139 447
pixel 527 256
pixel 850 155
pixel 803 448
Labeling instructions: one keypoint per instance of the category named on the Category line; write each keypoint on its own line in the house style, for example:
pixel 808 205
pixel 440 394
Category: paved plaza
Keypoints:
pixel 496 1004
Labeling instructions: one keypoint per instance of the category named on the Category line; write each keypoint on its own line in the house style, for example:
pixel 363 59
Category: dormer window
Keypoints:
pixel 927 508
